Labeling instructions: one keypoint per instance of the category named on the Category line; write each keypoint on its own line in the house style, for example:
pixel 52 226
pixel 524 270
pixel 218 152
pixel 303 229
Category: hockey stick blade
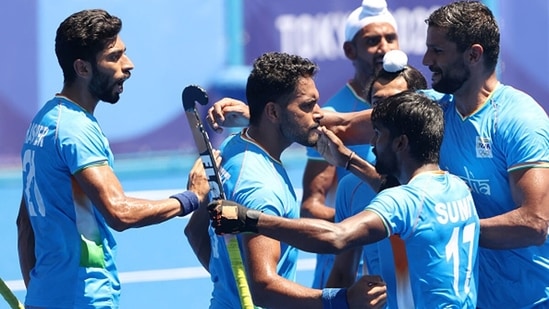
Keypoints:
pixel 192 94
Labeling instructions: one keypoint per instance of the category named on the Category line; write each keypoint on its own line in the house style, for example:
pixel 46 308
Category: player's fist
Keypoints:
pixel 229 217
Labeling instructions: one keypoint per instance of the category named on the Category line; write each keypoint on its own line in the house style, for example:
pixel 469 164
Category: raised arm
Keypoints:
pixel 335 152
pixel 228 112
pixel 352 128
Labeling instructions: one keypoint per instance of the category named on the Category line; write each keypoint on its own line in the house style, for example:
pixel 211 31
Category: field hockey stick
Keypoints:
pixel 192 94
pixel 8 295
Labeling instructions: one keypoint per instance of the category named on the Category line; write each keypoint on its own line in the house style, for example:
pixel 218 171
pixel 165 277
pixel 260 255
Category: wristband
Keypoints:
pixel 334 299
pixel 252 216
pixel 348 164
pixel 188 200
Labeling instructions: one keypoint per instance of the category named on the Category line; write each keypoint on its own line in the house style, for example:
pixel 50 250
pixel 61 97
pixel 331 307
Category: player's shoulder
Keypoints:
pixel 512 99
pixel 343 99
pixel 435 95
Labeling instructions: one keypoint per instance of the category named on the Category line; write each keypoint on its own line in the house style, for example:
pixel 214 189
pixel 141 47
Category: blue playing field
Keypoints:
pixel 157 266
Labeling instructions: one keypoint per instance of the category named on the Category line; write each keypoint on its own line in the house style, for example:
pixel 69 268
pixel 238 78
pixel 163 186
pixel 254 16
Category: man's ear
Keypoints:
pixel 272 112
pixel 400 143
pixel 82 68
pixel 349 49
pixel 474 53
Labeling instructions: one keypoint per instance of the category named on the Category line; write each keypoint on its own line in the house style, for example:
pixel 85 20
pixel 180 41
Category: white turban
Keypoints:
pixel 395 60
pixel 371 11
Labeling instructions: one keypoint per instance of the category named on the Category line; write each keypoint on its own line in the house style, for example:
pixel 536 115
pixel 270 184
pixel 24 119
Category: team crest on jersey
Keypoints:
pixel 484 147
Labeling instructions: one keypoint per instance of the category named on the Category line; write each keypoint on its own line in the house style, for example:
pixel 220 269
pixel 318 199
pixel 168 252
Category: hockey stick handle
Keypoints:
pixel 191 95
pixel 205 151
pixel 8 295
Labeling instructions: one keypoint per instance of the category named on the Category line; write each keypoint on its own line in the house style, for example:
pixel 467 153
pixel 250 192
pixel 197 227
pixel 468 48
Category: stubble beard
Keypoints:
pixel 451 84
pixel 102 87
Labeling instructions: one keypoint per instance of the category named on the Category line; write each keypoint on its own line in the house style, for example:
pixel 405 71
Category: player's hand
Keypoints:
pixel 228 112
pixel 229 217
pixel 367 292
pixel 332 148
pixel 198 182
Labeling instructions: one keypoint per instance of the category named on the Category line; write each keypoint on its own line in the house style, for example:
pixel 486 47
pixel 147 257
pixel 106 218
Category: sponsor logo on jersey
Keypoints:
pixel 484 147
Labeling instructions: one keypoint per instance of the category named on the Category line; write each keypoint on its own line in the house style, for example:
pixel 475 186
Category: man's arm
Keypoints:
pixel 121 212
pixel 344 270
pixel 313 235
pixel 196 232
pixel 268 288
pixel 321 236
pixel 273 291
pixel 336 153
pixel 262 253
pixel 353 128
pixel 25 242
pixel 318 179
pixel 528 224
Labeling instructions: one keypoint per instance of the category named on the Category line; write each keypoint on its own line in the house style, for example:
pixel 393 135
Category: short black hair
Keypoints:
pixel 274 78
pixel 413 77
pixel 468 23
pixel 82 36
pixel 418 117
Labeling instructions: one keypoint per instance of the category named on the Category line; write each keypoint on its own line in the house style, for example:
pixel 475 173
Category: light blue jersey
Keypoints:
pixel 345 100
pixel 74 246
pixel 351 197
pixel 251 177
pixel 435 217
pixel 509 132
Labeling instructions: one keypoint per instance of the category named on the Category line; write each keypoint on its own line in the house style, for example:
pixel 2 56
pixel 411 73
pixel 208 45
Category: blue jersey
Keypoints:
pixel 509 132
pixel 74 247
pixel 345 100
pixel 435 217
pixel 352 195
pixel 251 177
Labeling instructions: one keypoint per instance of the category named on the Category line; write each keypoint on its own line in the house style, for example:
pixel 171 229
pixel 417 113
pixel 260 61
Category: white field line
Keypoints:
pixel 169 274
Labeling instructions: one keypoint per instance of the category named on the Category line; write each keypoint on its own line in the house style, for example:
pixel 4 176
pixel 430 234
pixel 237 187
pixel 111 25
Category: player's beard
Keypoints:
pixel 102 86
pixel 452 80
pixel 386 164
pixel 293 132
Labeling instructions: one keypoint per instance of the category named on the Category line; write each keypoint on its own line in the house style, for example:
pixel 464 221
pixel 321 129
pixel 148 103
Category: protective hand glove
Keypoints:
pixel 229 217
